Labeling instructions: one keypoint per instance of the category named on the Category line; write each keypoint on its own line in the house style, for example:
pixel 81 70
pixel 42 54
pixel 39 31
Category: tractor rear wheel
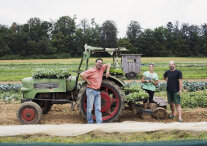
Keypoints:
pixel 29 113
pixel 112 101
pixel 45 106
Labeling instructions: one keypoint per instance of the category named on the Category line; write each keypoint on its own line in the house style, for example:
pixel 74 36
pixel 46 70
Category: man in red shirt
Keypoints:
pixel 93 77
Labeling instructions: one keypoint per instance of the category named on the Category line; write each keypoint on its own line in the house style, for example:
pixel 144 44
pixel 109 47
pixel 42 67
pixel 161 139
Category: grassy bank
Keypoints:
pixel 99 137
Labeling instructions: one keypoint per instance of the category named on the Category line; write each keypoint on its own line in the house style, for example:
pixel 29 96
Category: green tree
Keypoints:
pixel 133 31
pixel 108 33
pixel 160 35
pixel 63 36
pixel 4 48
pixel 146 43
pixel 203 37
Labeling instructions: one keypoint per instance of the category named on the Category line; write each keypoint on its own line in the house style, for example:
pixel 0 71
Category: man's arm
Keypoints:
pixel 180 81
pixel 108 68
pixel 85 79
pixel 165 76
pixel 180 85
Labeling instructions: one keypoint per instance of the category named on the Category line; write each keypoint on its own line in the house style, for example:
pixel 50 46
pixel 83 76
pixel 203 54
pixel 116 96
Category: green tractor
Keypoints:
pixel 39 95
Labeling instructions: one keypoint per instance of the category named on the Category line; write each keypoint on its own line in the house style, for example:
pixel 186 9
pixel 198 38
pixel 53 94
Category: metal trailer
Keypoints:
pixel 131 65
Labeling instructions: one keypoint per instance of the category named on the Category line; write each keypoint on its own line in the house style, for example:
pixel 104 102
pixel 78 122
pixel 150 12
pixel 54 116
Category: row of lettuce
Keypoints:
pixel 188 86
pixel 195 94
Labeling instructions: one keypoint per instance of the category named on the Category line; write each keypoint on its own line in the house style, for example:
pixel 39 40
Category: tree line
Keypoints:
pixel 65 38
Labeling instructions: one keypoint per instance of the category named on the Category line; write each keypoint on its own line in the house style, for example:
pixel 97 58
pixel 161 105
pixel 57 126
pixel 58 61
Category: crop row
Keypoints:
pixel 10 88
pixel 133 91
pixel 9 92
pixel 188 86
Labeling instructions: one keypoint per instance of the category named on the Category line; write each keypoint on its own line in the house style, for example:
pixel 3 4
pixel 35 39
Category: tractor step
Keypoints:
pixel 55 100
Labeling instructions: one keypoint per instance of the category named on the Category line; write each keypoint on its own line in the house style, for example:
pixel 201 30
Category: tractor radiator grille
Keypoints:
pixel 46 85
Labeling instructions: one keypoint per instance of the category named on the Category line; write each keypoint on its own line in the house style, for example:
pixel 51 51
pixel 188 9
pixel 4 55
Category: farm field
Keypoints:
pixel 194 69
pixel 16 70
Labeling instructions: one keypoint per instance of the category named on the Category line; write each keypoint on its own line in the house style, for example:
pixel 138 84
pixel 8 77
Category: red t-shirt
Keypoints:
pixel 94 76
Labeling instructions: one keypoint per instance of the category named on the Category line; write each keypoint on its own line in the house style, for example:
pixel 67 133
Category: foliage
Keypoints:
pixel 15 70
pixel 133 31
pixel 194 99
pixel 189 69
pixel 189 98
pixel 161 137
pixel 116 71
pixel 51 73
pixel 108 34
pixel 65 38
pixel 10 92
pixel 134 92
pixel 188 86
pixel 161 86
pixel 194 86
pixel 10 96
pixel 10 87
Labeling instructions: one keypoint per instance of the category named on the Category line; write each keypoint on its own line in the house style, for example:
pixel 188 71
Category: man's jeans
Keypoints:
pixel 93 97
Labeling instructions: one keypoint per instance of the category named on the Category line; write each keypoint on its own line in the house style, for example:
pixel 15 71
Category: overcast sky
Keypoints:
pixel 149 13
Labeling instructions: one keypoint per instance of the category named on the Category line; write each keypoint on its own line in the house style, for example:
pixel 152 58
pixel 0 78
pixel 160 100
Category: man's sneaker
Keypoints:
pixel 180 120
pixel 171 117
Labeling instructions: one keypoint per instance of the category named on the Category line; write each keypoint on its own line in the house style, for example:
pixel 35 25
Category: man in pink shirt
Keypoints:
pixel 93 77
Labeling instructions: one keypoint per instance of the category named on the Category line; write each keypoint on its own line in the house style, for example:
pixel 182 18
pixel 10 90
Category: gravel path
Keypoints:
pixel 79 129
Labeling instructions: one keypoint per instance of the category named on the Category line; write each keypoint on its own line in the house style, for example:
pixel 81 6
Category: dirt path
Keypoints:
pixel 61 121
pixel 62 114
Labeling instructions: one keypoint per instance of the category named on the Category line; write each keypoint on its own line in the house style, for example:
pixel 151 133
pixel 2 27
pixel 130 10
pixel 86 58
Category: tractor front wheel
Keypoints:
pixel 29 113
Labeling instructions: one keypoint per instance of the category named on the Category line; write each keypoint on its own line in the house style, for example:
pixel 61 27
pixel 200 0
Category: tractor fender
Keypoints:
pixel 116 80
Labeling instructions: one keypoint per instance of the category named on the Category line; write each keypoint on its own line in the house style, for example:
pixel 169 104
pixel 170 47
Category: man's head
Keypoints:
pixel 172 65
pixel 99 63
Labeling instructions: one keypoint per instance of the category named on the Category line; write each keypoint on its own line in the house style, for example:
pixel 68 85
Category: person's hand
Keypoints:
pixel 89 83
pixel 107 74
pixel 179 92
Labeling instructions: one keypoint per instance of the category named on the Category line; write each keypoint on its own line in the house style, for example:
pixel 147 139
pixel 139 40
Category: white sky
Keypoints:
pixel 149 13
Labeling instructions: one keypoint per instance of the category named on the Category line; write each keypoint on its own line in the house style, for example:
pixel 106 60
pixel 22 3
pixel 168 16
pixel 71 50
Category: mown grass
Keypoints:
pixel 15 70
pixel 100 137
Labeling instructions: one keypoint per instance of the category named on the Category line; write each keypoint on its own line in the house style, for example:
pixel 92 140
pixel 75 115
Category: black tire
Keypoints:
pixel 131 75
pixel 45 106
pixel 116 107
pixel 159 113
pixel 29 113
